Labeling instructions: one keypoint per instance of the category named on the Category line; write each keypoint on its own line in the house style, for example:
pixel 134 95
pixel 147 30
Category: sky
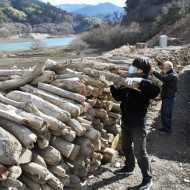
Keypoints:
pixel 57 2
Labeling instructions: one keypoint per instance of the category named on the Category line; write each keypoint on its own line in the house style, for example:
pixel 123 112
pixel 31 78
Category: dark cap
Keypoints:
pixel 143 64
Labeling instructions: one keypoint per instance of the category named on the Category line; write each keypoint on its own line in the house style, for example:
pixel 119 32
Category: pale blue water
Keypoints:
pixel 49 42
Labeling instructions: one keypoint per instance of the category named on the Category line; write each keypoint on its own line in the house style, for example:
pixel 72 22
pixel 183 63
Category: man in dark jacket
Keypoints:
pixel 169 79
pixel 134 105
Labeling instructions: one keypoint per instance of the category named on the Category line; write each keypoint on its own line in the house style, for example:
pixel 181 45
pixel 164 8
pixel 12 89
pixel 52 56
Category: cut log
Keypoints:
pixel 25 157
pixel 101 114
pixel 71 84
pixel 109 155
pixel 58 170
pixel 52 123
pixel 16 104
pixel 10 148
pixel 21 117
pixel 77 127
pixel 23 134
pixel 26 78
pixel 55 183
pixel 14 183
pixel 51 155
pixel 8 72
pixel 46 187
pixel 71 107
pixel 63 93
pixel 54 66
pixel 15 172
pixel 42 105
pixel 30 184
pixel 39 160
pixel 46 77
pixel 66 148
pixel 92 134
pixel 36 170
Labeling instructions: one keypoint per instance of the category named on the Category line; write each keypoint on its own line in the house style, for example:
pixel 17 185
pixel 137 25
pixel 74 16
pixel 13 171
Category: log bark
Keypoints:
pixel 46 77
pixel 10 148
pixel 8 72
pixel 52 123
pixel 35 169
pixel 23 134
pixel 30 184
pixel 39 160
pixel 26 78
pixel 51 155
pixel 66 148
pixel 44 106
pixel 71 107
pixel 21 117
pixel 8 101
pixel 63 93
pixel 58 170
pixel 71 84
pixel 77 127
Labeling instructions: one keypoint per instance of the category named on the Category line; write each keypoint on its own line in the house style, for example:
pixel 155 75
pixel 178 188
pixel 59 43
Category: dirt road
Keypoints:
pixel 170 155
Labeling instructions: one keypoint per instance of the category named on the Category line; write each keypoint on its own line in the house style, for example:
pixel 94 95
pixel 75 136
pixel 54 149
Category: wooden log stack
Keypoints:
pixel 58 122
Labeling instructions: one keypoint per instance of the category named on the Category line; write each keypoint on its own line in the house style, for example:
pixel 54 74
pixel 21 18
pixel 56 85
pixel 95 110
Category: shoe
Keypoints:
pixel 145 185
pixel 124 171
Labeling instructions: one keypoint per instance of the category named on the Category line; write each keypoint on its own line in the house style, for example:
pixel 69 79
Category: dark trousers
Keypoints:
pixel 134 145
pixel 166 112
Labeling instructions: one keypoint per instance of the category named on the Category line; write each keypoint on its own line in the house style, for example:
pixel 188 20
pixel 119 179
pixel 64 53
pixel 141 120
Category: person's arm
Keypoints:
pixel 118 93
pixel 164 78
pixel 149 89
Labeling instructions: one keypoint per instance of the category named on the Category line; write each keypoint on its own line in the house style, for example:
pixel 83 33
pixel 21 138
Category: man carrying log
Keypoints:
pixel 135 95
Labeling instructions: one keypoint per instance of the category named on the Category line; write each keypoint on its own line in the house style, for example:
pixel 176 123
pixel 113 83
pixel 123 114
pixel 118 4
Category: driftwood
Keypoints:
pixel 58 170
pixel 46 77
pixel 36 170
pixel 10 148
pixel 8 72
pixel 51 155
pixel 23 134
pixel 6 100
pixel 42 105
pixel 26 78
pixel 21 117
pixel 25 157
pixel 14 183
pixel 15 172
pixel 77 127
pixel 70 107
pixel 63 93
pixel 66 148
pixel 30 184
pixel 55 183
pixel 38 159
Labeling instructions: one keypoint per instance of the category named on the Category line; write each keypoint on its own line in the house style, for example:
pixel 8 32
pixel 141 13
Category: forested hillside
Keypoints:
pixel 35 16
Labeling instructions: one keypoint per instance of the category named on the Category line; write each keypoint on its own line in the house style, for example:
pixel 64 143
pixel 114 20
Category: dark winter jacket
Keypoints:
pixel 134 104
pixel 170 81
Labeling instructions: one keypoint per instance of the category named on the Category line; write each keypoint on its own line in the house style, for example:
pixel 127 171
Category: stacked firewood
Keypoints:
pixel 58 123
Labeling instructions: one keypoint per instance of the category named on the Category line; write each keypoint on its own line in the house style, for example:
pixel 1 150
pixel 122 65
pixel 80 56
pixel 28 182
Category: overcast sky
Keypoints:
pixel 57 2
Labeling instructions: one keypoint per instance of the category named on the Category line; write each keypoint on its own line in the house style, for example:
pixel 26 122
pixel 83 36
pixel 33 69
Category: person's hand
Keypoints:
pixel 133 82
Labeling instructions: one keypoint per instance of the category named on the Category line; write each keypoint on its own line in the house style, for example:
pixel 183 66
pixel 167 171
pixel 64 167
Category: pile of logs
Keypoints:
pixel 58 123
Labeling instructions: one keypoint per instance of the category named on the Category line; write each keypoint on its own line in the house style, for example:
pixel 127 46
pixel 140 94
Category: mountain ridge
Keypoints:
pixel 99 10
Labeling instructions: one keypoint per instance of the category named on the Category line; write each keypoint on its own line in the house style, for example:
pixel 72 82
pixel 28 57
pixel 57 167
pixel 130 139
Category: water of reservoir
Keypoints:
pixel 49 42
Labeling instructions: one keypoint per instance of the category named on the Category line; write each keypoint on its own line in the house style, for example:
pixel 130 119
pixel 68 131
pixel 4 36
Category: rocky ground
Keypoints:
pixel 170 155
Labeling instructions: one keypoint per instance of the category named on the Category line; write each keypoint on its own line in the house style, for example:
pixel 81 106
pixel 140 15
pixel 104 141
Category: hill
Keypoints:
pixel 71 7
pixel 161 16
pixel 102 10
pixel 24 16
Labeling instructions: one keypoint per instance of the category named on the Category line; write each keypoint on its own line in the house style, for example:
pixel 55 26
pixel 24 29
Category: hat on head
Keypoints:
pixel 142 63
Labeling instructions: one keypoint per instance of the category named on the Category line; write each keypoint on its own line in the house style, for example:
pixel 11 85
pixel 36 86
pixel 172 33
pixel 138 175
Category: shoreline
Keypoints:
pixel 15 39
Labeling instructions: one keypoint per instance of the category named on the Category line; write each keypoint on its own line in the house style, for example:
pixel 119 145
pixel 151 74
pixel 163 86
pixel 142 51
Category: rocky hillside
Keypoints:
pixel 159 16
pixel 25 16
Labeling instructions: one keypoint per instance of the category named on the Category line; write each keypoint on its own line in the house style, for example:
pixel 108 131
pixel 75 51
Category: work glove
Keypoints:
pixel 133 83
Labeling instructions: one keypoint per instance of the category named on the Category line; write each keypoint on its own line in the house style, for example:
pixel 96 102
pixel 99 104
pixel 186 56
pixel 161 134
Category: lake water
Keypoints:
pixel 49 42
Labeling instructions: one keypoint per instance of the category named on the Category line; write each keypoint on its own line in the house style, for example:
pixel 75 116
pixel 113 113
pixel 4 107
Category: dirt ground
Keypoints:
pixel 170 155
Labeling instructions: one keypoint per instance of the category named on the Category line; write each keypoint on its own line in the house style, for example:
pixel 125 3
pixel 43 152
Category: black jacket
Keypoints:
pixel 134 104
pixel 170 81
